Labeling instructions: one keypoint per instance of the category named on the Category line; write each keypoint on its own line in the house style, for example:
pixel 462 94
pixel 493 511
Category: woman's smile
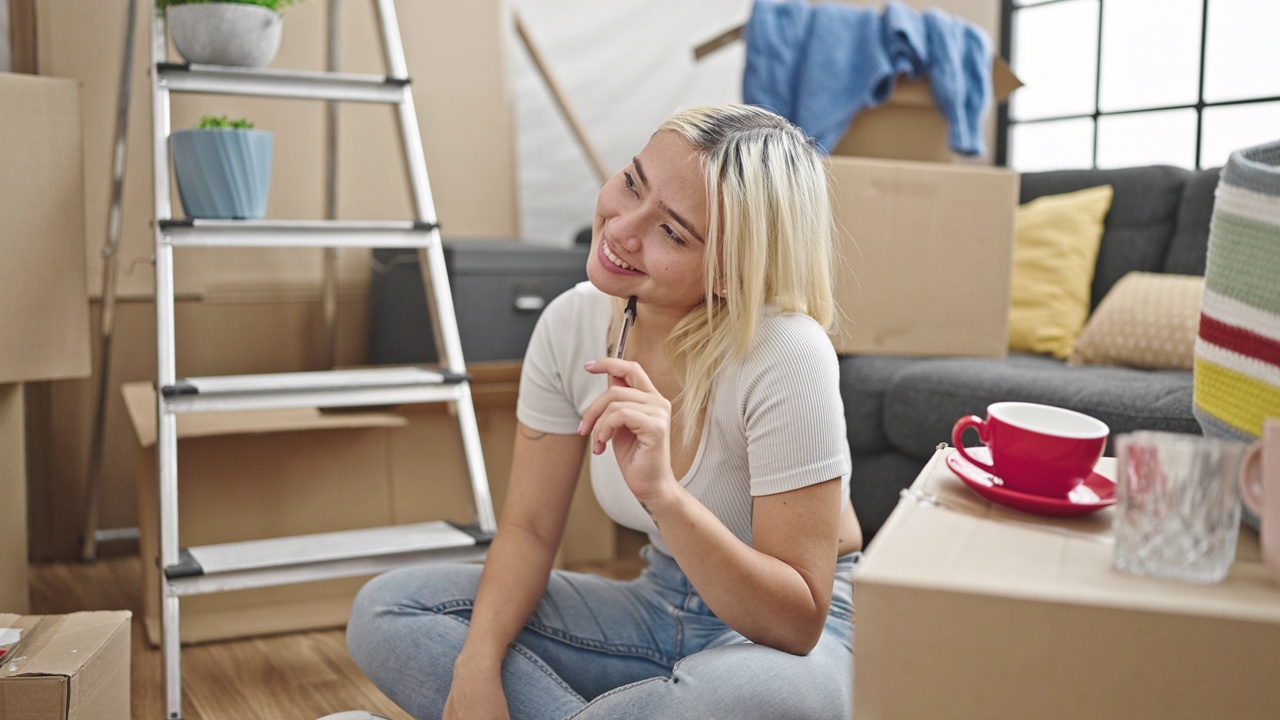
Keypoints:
pixel 612 261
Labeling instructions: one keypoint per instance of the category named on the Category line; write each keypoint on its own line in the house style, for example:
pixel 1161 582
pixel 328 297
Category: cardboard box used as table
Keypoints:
pixel 969 610
pixel 925 252
pixel 66 667
pixel 248 476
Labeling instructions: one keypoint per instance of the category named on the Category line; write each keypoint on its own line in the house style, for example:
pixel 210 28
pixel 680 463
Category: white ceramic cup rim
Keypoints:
pixel 1049 420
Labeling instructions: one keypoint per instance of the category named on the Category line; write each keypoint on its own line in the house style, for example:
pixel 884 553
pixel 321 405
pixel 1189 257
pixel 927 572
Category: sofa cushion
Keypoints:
pixel 864 380
pixel 1141 221
pixel 1148 320
pixel 1054 251
pixel 1190 244
pixel 927 398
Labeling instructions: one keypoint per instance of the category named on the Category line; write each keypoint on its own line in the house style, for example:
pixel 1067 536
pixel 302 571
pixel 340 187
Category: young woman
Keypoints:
pixel 719 431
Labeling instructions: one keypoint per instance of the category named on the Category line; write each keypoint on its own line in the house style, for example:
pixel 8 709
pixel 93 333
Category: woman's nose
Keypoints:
pixel 626 232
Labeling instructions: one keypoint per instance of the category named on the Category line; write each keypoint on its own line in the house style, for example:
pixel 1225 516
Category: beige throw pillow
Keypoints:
pixel 1147 320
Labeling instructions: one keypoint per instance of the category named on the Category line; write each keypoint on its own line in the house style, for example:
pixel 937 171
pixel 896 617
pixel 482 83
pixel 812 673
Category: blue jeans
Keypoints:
pixel 597 648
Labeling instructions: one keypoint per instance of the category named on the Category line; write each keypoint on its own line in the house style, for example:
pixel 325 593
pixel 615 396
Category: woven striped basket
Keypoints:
pixel 1237 353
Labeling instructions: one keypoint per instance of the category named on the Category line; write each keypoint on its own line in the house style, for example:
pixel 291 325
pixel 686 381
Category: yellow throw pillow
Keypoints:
pixel 1147 320
pixel 1054 252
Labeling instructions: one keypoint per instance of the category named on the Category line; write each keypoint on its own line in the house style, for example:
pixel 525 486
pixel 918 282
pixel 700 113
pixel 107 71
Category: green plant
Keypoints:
pixel 275 5
pixel 209 122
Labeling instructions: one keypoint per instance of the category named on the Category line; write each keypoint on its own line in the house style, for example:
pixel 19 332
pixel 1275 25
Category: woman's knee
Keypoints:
pixel 392 608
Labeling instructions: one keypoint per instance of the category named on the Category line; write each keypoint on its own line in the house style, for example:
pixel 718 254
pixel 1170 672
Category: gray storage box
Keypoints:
pixel 499 289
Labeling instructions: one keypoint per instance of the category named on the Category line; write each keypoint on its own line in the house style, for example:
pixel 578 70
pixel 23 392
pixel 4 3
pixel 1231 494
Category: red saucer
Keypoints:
pixel 1096 492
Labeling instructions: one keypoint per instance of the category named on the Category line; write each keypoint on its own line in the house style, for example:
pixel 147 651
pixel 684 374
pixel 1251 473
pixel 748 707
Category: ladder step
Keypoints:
pixel 329 388
pixel 299 84
pixel 297 233
pixel 322 556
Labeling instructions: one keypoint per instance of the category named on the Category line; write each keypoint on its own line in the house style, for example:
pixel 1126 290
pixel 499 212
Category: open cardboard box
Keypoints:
pixel 908 126
pixel 969 610
pixel 65 667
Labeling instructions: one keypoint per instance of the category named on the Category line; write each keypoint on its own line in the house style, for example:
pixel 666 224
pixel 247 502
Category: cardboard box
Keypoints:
pixel 908 126
pixel 247 476
pixel 44 329
pixel 968 610
pixel 65 667
pixel 925 254
pixel 14 595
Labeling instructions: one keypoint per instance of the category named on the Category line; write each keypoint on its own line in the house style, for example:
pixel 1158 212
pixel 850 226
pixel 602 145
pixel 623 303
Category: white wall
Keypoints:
pixel 625 66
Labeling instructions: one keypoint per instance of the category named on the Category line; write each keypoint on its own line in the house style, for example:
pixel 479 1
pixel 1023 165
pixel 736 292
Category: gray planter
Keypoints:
pixel 225 33
pixel 223 174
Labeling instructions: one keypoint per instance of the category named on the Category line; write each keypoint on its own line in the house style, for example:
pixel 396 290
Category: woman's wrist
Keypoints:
pixel 663 501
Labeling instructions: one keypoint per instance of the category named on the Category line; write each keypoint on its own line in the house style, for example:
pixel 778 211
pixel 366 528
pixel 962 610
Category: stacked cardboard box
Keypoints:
pixel 925 243
pixel 44 329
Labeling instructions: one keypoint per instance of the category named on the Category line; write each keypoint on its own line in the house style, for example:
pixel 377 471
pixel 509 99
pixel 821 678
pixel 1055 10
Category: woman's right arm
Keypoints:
pixel 544 473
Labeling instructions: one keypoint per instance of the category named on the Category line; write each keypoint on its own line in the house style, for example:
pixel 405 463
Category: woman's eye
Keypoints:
pixel 675 238
pixel 631 182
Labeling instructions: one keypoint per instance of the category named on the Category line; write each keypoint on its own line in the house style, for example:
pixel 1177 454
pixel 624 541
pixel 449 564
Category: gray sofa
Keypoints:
pixel 899 408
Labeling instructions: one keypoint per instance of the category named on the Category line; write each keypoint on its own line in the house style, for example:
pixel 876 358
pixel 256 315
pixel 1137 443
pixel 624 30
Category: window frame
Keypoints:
pixel 1004 122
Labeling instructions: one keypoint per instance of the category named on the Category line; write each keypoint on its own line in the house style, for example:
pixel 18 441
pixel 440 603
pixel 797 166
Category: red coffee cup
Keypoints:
pixel 1038 449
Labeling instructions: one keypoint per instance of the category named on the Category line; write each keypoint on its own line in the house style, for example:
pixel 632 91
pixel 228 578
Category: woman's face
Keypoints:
pixel 648 235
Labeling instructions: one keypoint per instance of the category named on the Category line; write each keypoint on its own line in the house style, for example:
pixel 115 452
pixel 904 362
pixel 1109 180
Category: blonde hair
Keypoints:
pixel 768 241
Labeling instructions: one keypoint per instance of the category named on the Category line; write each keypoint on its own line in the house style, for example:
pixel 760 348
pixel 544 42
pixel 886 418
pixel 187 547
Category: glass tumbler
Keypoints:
pixel 1177 505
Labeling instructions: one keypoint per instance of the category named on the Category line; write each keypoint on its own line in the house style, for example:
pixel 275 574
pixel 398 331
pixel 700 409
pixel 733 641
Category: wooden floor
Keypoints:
pixel 302 676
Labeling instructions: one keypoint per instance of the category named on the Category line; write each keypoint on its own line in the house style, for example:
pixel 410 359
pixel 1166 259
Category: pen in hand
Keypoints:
pixel 628 319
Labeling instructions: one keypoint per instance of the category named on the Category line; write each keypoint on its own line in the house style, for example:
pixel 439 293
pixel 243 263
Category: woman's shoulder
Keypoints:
pixel 792 335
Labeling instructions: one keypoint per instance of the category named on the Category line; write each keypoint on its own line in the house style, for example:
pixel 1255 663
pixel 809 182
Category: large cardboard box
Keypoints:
pixel 248 476
pixel 925 253
pixel 968 610
pixel 65 667
pixel 44 329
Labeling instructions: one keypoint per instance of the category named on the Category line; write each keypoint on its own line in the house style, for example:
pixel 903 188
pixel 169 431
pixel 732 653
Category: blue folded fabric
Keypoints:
pixel 819 65
pixel 959 71
pixel 816 65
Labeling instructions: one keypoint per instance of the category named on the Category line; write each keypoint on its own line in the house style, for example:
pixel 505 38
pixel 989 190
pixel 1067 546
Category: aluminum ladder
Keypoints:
pixel 280 561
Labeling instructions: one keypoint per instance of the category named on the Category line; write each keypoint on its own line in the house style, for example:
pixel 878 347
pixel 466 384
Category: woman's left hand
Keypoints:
pixel 637 419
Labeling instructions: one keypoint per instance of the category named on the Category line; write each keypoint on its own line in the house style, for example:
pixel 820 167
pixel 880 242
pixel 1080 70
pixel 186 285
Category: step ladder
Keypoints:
pixel 242 565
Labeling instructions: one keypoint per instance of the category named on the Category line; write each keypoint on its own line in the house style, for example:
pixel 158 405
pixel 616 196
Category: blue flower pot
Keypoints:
pixel 223 174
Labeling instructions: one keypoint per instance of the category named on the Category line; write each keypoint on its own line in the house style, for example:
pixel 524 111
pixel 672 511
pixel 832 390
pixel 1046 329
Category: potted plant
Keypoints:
pixel 233 32
pixel 223 168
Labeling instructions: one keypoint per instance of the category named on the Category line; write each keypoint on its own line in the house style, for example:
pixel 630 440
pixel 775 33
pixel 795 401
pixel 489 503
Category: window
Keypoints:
pixel 1118 83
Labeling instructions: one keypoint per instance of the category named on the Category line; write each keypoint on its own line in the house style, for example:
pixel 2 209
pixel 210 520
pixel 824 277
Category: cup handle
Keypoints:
pixel 957 439
pixel 1251 479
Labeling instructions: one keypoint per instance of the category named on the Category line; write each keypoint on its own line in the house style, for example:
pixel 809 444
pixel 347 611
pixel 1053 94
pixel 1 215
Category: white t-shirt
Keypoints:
pixel 775 421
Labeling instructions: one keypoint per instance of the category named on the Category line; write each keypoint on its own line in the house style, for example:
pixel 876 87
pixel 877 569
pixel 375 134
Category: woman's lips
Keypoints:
pixel 609 264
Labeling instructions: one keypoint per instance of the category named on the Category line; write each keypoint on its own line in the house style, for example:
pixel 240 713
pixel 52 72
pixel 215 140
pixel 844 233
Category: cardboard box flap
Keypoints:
pixel 1003 81
pixel 140 401
pixel 961 543
pixel 58 645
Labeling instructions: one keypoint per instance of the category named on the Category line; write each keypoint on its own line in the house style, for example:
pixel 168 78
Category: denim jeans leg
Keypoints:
pixel 403 641
pixel 746 681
